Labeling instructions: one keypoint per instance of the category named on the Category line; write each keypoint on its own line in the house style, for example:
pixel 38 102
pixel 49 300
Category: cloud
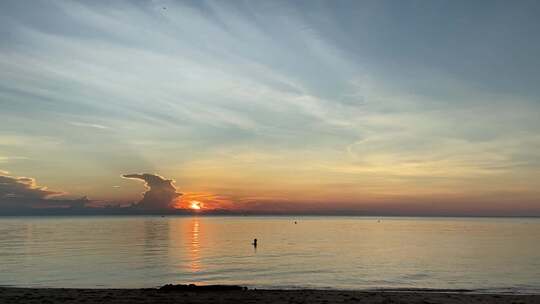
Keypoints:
pixel 88 125
pixel 349 111
pixel 160 195
pixel 23 192
pixel 23 187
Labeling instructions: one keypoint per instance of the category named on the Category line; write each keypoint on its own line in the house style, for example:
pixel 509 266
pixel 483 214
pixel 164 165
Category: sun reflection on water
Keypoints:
pixel 195 246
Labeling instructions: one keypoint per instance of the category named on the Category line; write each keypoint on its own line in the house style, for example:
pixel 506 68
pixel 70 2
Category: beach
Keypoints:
pixel 153 295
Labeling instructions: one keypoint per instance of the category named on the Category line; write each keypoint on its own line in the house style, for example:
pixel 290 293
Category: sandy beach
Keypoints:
pixel 87 296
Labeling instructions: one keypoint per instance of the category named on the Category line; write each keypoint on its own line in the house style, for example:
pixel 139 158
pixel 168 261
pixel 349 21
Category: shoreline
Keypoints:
pixel 237 294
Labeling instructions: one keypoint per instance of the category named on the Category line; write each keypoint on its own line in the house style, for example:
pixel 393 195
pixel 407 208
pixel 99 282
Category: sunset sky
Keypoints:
pixel 369 106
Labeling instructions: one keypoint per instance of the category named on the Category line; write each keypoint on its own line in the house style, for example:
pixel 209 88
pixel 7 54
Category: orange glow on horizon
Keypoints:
pixel 195 205
pixel 202 201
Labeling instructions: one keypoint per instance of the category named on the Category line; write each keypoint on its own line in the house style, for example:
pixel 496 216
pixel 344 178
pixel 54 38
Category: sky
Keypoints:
pixel 402 107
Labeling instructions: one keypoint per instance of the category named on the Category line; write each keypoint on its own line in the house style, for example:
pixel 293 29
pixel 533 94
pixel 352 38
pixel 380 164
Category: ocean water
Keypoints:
pixel 484 254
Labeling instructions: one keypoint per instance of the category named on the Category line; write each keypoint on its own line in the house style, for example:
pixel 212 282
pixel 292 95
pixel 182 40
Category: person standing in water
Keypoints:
pixel 254 243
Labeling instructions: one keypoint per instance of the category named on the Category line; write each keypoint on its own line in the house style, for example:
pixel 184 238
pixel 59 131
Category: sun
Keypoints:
pixel 195 205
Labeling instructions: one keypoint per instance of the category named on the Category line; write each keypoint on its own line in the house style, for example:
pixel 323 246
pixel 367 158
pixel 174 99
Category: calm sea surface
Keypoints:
pixel 488 254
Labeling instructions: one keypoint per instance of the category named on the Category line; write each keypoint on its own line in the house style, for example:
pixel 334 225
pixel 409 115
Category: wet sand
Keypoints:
pixel 87 296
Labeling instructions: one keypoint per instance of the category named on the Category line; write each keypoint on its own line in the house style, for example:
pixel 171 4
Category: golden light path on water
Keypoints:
pixel 195 256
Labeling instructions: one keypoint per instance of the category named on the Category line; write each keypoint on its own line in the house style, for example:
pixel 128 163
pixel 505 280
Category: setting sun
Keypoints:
pixel 195 205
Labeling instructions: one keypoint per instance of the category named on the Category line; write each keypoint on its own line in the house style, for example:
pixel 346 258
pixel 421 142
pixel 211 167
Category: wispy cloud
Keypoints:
pixel 88 125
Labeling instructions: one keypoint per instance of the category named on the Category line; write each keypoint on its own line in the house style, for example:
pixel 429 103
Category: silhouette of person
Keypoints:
pixel 254 243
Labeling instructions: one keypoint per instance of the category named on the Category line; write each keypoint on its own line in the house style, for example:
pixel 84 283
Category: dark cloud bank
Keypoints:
pixel 21 194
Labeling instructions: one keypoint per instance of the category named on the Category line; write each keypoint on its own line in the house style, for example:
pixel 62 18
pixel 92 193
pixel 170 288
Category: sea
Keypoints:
pixel 324 252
